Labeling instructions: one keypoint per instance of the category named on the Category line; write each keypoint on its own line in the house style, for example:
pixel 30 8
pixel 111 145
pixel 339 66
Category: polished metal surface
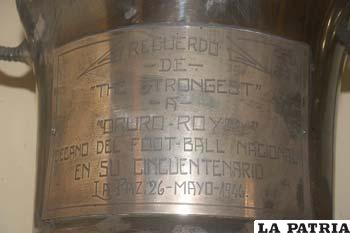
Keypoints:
pixel 179 120
pixel 106 81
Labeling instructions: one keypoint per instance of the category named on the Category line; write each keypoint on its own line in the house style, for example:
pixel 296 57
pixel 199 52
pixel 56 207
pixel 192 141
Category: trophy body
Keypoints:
pixel 177 116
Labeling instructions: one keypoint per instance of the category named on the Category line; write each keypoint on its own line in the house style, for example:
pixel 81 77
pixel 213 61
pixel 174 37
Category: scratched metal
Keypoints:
pixel 179 120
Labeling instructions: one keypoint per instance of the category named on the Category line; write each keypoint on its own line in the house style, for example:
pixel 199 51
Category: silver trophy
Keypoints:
pixel 183 115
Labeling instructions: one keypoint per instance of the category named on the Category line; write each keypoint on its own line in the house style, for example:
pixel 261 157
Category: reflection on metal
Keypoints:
pixel 179 120
pixel 130 88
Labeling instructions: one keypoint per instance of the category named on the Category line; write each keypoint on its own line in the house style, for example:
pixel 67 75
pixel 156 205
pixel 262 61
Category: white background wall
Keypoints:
pixel 18 127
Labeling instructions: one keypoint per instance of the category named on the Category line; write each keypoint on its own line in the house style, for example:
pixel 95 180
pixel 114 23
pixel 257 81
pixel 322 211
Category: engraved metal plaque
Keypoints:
pixel 179 120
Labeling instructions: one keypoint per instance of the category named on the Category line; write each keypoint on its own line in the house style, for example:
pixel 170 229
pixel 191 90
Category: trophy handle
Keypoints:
pixel 16 54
